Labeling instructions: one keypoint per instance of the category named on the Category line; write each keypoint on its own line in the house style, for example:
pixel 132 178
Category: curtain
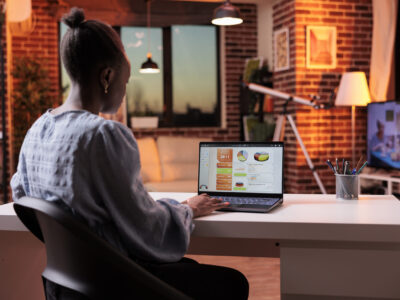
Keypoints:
pixel 383 39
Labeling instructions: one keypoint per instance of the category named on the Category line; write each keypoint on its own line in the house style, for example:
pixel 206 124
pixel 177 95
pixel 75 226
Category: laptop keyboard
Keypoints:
pixel 246 200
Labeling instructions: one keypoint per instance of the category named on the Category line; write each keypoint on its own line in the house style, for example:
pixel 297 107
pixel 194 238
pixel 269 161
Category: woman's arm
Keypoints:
pixel 151 230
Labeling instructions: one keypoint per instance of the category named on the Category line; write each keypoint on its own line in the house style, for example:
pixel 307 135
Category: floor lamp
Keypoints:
pixel 353 91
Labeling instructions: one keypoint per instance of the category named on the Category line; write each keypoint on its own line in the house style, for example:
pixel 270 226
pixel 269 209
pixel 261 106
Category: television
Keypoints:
pixel 383 134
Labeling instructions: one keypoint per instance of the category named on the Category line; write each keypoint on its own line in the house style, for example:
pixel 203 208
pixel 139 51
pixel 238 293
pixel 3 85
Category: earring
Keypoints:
pixel 106 88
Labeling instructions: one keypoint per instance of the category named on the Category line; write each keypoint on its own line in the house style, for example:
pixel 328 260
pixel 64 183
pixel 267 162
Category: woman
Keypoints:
pixel 91 166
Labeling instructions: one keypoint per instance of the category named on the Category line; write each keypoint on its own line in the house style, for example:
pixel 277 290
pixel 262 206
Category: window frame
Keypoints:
pixel 167 119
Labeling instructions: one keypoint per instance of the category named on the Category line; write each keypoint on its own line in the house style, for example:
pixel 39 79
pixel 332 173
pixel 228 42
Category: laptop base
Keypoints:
pixel 251 207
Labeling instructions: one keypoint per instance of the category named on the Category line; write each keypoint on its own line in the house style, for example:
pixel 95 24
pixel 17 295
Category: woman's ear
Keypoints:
pixel 106 77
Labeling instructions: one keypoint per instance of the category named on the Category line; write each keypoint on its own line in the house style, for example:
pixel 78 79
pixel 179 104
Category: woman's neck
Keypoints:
pixel 79 100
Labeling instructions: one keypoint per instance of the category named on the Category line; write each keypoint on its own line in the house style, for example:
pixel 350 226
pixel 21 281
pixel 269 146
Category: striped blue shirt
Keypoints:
pixel 92 165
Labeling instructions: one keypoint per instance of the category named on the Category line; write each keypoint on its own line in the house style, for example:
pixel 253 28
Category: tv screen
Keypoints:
pixel 383 134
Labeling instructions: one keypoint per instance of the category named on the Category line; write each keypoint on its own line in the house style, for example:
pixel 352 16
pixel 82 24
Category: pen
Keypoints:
pixel 330 166
pixel 362 167
pixel 343 165
pixel 358 163
pixel 337 165
pixel 346 165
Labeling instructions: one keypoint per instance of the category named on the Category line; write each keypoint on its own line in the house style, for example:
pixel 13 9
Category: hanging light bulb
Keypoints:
pixel 149 66
pixel 226 15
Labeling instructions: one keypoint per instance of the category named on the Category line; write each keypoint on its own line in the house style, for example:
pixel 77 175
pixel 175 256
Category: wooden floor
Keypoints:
pixel 263 274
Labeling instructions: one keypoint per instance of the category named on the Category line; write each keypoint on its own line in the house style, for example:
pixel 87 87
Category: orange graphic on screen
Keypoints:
pixel 224 170
pixel 224 155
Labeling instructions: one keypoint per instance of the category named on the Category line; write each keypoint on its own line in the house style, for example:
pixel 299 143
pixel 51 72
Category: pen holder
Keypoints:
pixel 346 187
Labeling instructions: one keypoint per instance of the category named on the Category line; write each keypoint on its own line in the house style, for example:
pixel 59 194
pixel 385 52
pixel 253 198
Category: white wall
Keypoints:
pixel 265 38
pixel 264 26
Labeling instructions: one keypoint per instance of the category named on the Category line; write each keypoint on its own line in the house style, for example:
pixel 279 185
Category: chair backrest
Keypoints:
pixel 80 260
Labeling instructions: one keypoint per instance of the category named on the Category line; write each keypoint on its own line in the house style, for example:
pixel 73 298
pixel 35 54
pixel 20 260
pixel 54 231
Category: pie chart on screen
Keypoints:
pixel 261 156
pixel 242 155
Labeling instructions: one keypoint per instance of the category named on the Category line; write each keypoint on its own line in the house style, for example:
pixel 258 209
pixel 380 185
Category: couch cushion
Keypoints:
pixel 149 159
pixel 179 157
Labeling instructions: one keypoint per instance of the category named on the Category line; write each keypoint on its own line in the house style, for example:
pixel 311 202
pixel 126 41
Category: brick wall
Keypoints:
pixel 42 45
pixel 240 43
pixel 6 108
pixel 325 133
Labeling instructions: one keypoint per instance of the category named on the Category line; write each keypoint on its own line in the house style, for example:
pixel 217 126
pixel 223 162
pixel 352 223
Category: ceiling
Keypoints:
pixel 133 12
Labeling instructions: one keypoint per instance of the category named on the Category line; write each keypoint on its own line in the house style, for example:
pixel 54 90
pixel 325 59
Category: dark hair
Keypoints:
pixel 88 44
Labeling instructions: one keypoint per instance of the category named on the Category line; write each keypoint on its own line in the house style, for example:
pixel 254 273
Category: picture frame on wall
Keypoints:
pixel 321 47
pixel 281 49
pixel 251 65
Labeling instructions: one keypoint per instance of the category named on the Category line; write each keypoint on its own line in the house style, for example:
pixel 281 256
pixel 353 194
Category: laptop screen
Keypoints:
pixel 241 167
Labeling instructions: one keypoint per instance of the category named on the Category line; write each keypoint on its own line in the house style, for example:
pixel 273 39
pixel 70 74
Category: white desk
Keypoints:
pixel 329 249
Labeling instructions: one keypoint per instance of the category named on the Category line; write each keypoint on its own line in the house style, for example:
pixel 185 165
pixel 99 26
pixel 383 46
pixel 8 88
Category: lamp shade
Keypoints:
pixel 19 10
pixel 149 66
pixel 353 90
pixel 226 15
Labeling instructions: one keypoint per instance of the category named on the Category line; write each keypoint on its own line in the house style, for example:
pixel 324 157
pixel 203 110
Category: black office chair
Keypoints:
pixel 80 261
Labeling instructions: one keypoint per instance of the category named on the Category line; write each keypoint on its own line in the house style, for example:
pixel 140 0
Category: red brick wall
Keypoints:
pixel 326 133
pixel 41 44
pixel 6 108
pixel 240 43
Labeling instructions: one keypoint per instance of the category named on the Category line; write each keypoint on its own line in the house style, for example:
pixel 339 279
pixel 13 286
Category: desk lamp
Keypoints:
pixel 353 91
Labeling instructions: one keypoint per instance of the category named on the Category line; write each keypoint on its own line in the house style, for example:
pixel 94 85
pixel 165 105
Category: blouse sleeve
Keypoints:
pixel 17 185
pixel 151 230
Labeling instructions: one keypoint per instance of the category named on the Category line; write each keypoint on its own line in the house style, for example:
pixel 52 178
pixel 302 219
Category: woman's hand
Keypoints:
pixel 204 204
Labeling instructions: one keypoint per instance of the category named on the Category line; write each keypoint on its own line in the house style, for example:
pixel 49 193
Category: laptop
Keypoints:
pixel 248 175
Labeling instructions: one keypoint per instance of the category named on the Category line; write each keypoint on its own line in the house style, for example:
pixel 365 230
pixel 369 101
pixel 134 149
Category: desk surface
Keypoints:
pixel 372 218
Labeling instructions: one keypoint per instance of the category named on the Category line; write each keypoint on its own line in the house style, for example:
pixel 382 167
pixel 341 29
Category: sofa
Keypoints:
pixel 169 164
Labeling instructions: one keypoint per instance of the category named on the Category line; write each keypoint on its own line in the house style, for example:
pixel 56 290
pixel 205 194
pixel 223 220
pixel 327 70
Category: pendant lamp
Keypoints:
pixel 149 66
pixel 226 15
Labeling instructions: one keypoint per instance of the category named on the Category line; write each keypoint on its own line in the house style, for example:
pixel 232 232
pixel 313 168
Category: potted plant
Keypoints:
pixel 31 96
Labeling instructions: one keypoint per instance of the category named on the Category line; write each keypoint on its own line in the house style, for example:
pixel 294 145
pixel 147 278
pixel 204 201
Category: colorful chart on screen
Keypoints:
pixel 261 156
pixel 242 155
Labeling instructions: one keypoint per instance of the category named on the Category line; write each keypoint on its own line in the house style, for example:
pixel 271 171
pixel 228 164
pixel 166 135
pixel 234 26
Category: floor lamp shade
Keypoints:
pixel 353 90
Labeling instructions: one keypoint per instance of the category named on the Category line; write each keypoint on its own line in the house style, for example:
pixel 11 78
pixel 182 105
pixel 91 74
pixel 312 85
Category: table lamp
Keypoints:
pixel 353 91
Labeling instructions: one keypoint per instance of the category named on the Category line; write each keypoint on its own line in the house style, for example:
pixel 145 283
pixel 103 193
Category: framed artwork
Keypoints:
pixel 281 49
pixel 321 47
pixel 251 64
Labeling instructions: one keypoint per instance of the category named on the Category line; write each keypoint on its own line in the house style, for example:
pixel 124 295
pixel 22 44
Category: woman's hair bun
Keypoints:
pixel 74 18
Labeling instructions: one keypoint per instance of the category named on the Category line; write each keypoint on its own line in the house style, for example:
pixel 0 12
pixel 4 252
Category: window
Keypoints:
pixel 186 91
pixel 144 92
